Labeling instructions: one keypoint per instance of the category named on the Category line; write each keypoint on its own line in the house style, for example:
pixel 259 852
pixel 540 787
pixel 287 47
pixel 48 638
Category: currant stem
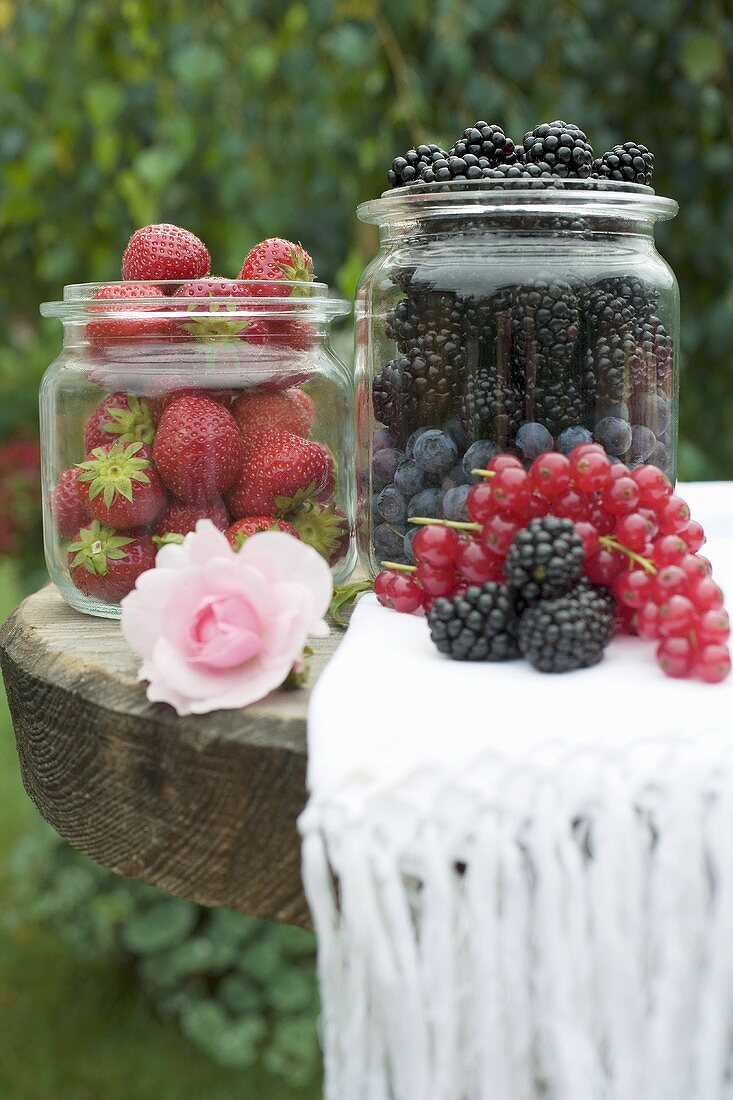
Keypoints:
pixel 610 543
pixel 426 521
pixel 484 473
pixel 398 566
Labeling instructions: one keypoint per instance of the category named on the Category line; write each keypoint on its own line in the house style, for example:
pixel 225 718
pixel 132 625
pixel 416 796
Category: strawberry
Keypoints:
pixel 288 411
pixel 165 252
pixel 198 449
pixel 120 486
pixel 273 261
pixel 68 509
pixel 326 529
pixel 104 563
pixel 180 518
pixel 128 298
pixel 281 471
pixel 160 403
pixel 119 416
pixel 243 529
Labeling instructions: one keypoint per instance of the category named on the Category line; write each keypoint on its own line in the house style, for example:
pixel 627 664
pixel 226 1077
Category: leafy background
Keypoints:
pixel 245 118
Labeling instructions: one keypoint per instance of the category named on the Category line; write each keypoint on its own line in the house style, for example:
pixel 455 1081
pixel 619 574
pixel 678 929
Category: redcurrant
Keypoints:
pixel 633 531
pixel 436 580
pixel 654 485
pixel 676 657
pixel 693 535
pixel 590 536
pixel 713 627
pixel 435 544
pixel 674 515
pixel 631 589
pixel 669 550
pixel 677 616
pixel 713 663
pixel 706 595
pixel 480 502
pixel 571 505
pixel 647 621
pixel 620 496
pixel 498 534
pixel 511 490
pixel 550 474
pixel 383 583
pixel 405 594
pixel 669 581
pixel 504 462
pixel 604 566
pixel 696 567
pixel 591 471
pixel 477 564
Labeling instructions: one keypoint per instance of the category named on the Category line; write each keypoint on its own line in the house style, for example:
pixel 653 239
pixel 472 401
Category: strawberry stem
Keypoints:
pixel 610 543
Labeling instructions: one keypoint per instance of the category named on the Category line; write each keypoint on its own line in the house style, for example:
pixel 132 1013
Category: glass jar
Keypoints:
pixel 175 402
pixel 511 315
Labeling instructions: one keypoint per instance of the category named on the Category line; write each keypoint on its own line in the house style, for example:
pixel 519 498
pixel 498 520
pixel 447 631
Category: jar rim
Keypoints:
pixel 591 197
pixel 312 301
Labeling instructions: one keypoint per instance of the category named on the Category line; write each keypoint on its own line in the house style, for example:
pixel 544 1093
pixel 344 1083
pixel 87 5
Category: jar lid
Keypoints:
pixel 571 197
pixel 246 298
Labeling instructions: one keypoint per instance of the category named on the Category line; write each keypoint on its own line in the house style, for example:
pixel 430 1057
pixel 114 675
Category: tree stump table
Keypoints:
pixel 204 807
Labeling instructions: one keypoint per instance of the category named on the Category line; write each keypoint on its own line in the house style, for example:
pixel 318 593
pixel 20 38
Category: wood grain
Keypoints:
pixel 205 807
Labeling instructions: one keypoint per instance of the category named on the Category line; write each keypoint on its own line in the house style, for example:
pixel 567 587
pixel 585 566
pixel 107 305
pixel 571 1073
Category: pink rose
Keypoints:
pixel 218 629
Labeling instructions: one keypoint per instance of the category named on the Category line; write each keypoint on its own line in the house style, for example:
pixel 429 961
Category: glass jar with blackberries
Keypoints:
pixel 508 309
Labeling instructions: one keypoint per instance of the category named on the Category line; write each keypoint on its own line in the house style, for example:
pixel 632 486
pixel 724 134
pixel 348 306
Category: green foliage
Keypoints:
pixel 244 991
pixel 255 117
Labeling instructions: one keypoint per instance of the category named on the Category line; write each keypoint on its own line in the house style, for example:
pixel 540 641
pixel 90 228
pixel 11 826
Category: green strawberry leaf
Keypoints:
pixel 344 595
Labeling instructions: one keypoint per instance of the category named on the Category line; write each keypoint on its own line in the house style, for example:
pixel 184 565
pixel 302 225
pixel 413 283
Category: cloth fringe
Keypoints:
pixel 560 929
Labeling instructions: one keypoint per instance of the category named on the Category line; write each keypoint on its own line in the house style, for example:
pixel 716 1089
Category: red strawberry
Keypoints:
pixel 118 326
pixel 275 260
pixel 158 405
pixel 104 563
pixel 243 529
pixel 198 449
pixel 281 471
pixel 213 287
pixel 120 486
pixel 67 507
pixel 165 252
pixel 180 518
pixel 288 411
pixel 119 417
pixel 326 529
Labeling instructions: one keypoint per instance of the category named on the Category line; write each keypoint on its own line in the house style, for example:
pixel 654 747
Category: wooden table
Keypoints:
pixel 205 807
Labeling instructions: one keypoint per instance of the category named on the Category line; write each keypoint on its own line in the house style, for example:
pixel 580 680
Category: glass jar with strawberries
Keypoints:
pixel 180 396
pixel 517 304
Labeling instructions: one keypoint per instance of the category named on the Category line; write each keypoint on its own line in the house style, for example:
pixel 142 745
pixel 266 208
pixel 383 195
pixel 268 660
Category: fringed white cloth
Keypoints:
pixel 522 885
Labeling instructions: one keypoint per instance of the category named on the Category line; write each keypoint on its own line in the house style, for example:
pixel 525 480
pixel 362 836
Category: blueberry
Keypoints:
pixel 655 411
pixel 454 503
pixel 384 465
pixel 409 478
pixel 660 457
pixel 410 445
pixel 533 440
pixel 456 476
pixel 435 452
pixel 477 457
pixel 613 434
pixel 388 541
pixel 391 505
pixel 617 409
pixel 573 437
pixel 407 544
pixel 643 442
pixel 456 431
pixel 382 438
pixel 428 502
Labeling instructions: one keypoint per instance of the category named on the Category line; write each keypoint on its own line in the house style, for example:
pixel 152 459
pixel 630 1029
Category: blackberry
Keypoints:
pixel 627 163
pixel 568 632
pixel 560 149
pixel 545 348
pixel 406 169
pixel 419 386
pixel 545 559
pixel 479 625
pixel 452 167
pixel 488 141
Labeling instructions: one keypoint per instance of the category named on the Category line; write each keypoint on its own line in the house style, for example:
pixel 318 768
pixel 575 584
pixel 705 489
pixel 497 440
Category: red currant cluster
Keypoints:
pixel 638 538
